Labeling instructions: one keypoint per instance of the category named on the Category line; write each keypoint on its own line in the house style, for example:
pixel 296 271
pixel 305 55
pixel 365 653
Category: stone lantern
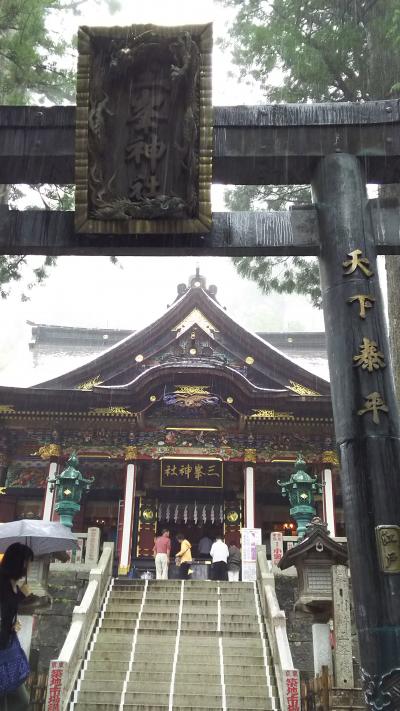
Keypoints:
pixel 70 485
pixel 300 489
pixel 313 559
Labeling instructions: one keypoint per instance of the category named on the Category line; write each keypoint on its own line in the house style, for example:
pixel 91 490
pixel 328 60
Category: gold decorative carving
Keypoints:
pixel 7 409
pixel 113 411
pixel 302 389
pixel 373 403
pixel 90 384
pixel 330 457
pixel 191 390
pixel 388 544
pixel 195 318
pixel 356 261
pixel 130 453
pixel 366 302
pixel 250 455
pixel 2 490
pixel 369 357
pixel 49 451
pixel 271 415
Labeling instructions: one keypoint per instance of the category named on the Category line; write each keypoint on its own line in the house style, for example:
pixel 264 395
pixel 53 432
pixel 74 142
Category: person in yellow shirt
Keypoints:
pixel 184 557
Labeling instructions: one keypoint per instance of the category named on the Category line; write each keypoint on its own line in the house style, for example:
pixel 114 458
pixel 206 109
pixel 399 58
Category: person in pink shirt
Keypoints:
pixel 162 550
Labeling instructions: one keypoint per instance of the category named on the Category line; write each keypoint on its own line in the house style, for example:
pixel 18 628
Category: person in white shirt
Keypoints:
pixel 219 554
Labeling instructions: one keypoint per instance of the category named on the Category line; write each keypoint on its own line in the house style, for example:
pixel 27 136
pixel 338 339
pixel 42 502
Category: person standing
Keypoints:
pixel 184 557
pixel 14 667
pixel 204 546
pixel 219 555
pixel 234 563
pixel 162 550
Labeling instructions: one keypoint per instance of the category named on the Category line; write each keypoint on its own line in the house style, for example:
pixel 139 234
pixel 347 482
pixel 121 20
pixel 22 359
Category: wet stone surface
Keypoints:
pixel 52 625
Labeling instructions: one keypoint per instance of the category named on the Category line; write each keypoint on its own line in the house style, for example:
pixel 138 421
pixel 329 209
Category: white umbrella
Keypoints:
pixel 43 537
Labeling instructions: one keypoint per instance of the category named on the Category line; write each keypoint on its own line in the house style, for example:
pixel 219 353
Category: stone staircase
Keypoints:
pixel 168 645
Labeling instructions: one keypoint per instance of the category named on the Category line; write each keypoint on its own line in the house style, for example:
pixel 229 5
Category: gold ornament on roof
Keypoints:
pixel 6 409
pixel 90 384
pixel 302 389
pixel 113 411
pixel 48 451
pixel 2 490
pixel 250 455
pixel 271 415
pixel 130 453
pixel 191 390
pixel 330 457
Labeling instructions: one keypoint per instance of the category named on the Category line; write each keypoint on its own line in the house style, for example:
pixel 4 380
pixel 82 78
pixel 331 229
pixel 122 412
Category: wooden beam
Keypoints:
pixel 233 234
pixel 261 145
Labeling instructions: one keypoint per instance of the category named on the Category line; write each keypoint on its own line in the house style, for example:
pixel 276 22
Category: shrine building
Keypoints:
pixel 186 424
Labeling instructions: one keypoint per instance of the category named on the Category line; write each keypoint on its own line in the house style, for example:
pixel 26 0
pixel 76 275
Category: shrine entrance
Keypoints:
pixel 185 505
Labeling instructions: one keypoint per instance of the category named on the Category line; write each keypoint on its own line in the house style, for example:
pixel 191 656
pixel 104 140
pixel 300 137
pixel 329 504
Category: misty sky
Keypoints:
pixel 90 291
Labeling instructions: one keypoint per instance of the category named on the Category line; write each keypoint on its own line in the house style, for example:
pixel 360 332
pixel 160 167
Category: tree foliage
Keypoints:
pixel 324 50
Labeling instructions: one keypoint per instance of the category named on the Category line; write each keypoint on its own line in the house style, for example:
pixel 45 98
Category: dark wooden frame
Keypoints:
pixel 202 223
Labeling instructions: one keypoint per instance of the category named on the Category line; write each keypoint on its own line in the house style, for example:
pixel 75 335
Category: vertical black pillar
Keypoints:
pixel 366 419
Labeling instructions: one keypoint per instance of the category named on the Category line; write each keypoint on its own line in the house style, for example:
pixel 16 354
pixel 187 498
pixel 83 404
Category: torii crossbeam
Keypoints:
pixel 336 148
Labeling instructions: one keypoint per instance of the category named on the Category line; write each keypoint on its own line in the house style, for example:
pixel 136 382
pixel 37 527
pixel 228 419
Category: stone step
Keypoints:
pixel 189 584
pixel 187 612
pixel 232 646
pixel 209 672
pixel 145 707
pixel 194 625
pixel 171 601
pixel 154 697
pixel 104 672
pixel 181 687
pixel 206 701
pixel 224 633
pixel 250 702
pixel 152 707
pixel 175 598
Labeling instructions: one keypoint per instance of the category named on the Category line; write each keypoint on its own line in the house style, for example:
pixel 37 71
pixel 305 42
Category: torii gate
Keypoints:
pixel 336 148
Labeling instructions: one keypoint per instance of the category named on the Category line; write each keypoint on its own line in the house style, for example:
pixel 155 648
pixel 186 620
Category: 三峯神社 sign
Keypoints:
pixel 200 473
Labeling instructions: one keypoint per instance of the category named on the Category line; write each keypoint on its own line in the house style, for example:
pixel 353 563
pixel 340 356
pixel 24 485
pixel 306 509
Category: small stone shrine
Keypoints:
pixel 313 559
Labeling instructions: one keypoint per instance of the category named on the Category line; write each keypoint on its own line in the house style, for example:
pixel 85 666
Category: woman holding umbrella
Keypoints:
pixel 14 667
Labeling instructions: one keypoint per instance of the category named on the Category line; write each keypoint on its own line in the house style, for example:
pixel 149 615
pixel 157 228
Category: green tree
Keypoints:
pixel 325 50
pixel 35 67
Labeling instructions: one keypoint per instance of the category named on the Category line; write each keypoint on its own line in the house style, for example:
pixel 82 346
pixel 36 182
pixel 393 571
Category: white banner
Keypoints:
pixel 251 538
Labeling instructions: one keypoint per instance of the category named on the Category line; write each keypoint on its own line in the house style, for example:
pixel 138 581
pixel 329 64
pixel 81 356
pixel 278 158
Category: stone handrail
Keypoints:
pixel 85 556
pixel 287 677
pixel 64 670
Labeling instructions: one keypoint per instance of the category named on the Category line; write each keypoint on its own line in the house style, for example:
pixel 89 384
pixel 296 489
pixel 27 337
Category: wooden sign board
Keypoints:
pixel 187 472
pixel 143 153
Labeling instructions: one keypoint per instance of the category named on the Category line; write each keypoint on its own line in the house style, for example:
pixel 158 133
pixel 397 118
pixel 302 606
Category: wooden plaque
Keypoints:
pixel 144 130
